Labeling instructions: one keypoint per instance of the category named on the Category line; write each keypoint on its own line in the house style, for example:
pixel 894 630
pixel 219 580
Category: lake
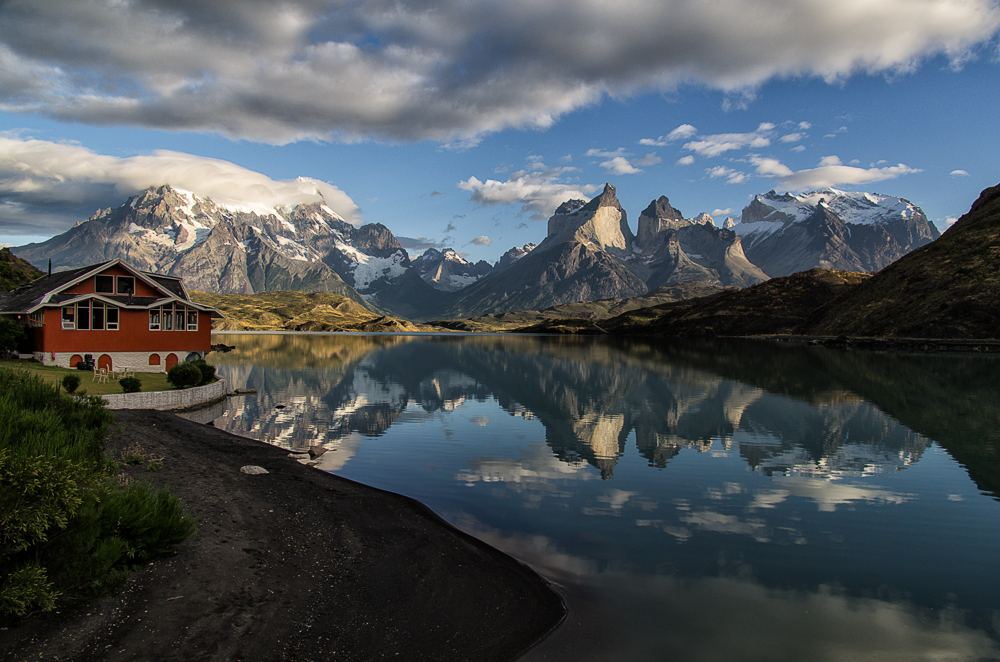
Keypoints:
pixel 693 500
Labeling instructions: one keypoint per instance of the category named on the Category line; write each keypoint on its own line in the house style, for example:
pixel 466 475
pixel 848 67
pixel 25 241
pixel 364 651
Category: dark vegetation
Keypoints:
pixel 70 528
pixel 14 271
pixel 130 384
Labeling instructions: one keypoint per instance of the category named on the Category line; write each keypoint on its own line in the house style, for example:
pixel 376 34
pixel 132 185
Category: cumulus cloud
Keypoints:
pixel 829 172
pixel 482 240
pixel 720 143
pixel 46 186
pixel 685 160
pixel 538 190
pixel 620 166
pixel 682 132
pixel 791 138
pixel 451 70
pixel 731 176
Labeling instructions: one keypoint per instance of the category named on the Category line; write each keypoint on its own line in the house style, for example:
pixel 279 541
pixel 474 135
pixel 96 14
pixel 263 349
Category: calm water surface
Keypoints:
pixel 695 501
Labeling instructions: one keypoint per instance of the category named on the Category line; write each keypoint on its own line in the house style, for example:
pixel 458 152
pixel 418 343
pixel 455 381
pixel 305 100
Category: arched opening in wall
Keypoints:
pixel 171 361
pixel 73 360
pixel 154 359
pixel 104 362
pixel 193 356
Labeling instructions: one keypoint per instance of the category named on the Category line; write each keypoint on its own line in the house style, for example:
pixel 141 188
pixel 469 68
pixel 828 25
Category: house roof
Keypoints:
pixel 48 291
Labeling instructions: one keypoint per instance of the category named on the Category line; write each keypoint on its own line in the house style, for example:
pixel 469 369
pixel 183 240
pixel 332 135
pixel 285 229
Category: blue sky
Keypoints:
pixel 464 124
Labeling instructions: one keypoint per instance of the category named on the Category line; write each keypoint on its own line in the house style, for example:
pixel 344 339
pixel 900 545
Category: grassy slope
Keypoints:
pixel 151 381
pixel 15 271
pixel 297 311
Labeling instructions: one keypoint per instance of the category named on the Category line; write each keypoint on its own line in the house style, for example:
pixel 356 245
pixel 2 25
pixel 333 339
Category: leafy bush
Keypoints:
pixel 207 371
pixel 130 384
pixel 70 382
pixel 68 529
pixel 183 375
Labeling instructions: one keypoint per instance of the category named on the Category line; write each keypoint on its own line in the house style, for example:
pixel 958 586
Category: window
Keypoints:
pixel 112 318
pixel 192 316
pixel 154 319
pixel 97 316
pixel 126 285
pixel 83 316
pixel 104 284
pixel 179 319
pixel 168 318
pixel 69 318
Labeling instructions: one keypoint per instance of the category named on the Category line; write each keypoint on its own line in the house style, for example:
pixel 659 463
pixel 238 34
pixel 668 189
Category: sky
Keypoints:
pixel 463 123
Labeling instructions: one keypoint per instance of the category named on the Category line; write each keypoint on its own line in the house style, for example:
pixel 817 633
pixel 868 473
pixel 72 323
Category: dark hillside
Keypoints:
pixel 949 288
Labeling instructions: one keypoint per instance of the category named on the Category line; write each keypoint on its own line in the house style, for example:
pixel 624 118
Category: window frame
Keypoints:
pixel 68 323
pixel 99 278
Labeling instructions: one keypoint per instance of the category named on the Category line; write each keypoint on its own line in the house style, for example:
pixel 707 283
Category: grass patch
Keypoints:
pixel 151 381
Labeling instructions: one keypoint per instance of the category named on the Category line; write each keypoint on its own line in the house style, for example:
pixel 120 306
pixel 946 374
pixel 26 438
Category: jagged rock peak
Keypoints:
pixel 569 207
pixel 704 218
pixel 607 198
pixel 729 223
pixel 662 209
pixel 514 254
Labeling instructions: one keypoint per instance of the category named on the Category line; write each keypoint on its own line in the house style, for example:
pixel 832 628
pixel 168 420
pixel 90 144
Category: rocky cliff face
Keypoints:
pixel 670 249
pixel 831 229
pixel 448 271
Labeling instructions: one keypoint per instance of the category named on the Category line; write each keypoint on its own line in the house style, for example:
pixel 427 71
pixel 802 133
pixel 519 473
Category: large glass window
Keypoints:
pixel 104 284
pixel 83 316
pixel 179 318
pixel 154 319
pixel 192 316
pixel 97 316
pixel 126 285
pixel 69 317
pixel 112 318
pixel 168 318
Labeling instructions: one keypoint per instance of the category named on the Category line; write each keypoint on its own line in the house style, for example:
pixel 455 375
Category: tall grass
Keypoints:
pixel 68 529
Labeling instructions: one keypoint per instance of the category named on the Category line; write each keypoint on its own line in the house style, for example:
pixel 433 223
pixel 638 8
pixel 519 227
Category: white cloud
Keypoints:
pixel 959 173
pixel 791 138
pixel 620 166
pixel 798 148
pixel 53 183
pixel 804 126
pixel 539 191
pixel 683 132
pixel 482 240
pixel 685 160
pixel 648 160
pixel 450 70
pixel 829 173
pixel 720 143
pixel 722 212
pixel 732 176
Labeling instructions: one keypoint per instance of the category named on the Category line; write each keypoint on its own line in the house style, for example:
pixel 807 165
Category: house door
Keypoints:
pixel 170 362
pixel 104 362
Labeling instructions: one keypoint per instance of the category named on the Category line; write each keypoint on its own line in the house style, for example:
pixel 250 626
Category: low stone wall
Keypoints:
pixel 174 399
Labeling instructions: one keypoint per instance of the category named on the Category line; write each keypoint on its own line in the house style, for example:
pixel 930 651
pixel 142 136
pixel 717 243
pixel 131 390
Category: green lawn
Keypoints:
pixel 151 381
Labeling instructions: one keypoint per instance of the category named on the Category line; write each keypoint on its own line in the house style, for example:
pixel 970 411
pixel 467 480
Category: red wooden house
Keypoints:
pixel 122 317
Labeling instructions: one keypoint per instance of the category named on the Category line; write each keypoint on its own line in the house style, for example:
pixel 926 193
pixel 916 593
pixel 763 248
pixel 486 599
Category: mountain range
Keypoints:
pixel 589 251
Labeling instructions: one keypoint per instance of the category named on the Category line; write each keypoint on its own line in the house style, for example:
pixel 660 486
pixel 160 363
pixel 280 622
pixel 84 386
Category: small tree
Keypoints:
pixel 130 384
pixel 183 375
pixel 11 336
pixel 70 382
pixel 207 371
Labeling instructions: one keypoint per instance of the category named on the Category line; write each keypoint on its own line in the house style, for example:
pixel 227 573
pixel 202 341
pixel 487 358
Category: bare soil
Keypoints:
pixel 295 564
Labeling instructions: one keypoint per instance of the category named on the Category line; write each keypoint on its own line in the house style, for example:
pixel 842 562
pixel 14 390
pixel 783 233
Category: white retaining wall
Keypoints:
pixel 173 399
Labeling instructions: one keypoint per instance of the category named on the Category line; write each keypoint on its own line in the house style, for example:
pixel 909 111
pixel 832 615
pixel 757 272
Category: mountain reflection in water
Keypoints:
pixel 783 495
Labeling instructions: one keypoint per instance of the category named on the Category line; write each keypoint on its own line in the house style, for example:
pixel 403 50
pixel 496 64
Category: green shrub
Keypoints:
pixel 11 336
pixel 129 384
pixel 183 375
pixel 68 528
pixel 70 382
pixel 207 371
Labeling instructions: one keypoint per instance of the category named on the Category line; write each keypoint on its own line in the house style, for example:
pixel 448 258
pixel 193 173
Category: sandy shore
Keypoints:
pixel 295 564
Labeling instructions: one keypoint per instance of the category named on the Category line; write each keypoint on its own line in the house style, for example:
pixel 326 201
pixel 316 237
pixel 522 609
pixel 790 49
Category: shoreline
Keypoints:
pixel 295 564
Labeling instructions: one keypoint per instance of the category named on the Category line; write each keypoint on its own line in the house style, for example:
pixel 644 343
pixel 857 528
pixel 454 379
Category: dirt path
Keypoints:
pixel 295 564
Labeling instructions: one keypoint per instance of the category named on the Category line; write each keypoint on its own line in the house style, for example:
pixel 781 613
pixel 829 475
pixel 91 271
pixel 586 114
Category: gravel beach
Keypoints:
pixel 294 564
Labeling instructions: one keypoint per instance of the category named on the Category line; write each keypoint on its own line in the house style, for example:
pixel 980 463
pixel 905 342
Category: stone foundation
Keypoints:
pixel 137 361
